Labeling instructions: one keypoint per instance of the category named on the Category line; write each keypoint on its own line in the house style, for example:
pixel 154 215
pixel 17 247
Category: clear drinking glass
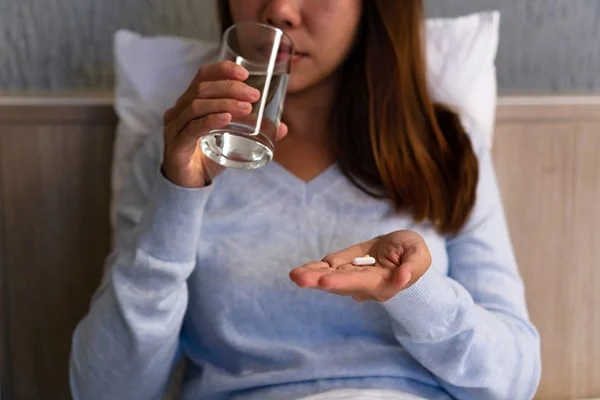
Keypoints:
pixel 266 52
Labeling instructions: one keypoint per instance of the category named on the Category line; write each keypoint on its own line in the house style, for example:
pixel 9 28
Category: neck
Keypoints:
pixel 307 113
pixel 306 151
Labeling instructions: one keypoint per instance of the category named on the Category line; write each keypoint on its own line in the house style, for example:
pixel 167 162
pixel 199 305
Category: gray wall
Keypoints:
pixel 546 45
pixel 67 44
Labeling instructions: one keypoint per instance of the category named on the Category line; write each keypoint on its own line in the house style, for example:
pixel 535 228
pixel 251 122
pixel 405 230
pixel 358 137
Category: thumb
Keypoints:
pixel 404 274
pixel 281 132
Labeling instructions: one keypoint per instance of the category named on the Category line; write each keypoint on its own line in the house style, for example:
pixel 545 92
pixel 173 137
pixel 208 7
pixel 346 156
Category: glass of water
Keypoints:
pixel 266 52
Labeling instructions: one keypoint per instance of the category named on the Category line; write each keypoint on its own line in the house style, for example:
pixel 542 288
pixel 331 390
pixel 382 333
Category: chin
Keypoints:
pixel 305 76
pixel 295 87
pixel 300 83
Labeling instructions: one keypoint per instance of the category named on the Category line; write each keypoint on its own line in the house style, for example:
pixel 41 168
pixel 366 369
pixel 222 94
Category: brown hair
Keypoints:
pixel 389 137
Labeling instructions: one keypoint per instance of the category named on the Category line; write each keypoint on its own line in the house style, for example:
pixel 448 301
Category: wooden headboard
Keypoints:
pixel 55 155
pixel 546 155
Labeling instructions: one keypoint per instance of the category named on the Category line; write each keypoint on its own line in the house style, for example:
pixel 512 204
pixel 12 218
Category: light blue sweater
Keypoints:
pixel 203 273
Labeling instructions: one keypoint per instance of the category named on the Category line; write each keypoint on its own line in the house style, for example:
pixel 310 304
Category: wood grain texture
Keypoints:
pixel 55 194
pixel 549 174
pixel 57 115
pixel 557 113
pixel 4 378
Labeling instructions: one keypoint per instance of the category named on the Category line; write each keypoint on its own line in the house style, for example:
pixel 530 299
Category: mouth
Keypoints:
pixel 286 53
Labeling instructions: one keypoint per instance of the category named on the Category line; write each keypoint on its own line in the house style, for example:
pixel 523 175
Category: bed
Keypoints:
pixel 55 157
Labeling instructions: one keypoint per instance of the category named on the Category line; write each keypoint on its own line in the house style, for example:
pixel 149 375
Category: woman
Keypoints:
pixel 248 275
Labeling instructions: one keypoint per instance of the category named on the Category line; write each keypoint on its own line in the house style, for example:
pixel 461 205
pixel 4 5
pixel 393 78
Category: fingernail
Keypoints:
pixel 244 106
pixel 223 116
pixel 253 93
pixel 241 72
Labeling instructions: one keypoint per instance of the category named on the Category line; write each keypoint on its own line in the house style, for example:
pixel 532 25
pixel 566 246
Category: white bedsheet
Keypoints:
pixel 362 394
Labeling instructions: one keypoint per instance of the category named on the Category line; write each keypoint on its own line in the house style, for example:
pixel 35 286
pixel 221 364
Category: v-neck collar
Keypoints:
pixel 315 187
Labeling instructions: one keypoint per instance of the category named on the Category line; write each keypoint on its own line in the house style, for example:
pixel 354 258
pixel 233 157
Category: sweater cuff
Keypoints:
pixel 171 223
pixel 428 309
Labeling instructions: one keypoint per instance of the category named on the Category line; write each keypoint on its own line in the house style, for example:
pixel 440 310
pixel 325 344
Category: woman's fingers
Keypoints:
pixel 222 70
pixel 346 278
pixel 404 274
pixel 308 275
pixel 401 259
pixel 281 132
pixel 197 128
pixel 204 81
pixel 216 95
pixel 366 280
pixel 346 256
pixel 414 261
pixel 229 89
pixel 200 108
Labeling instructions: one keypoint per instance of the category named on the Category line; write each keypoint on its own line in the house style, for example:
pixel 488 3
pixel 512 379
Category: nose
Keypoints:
pixel 282 13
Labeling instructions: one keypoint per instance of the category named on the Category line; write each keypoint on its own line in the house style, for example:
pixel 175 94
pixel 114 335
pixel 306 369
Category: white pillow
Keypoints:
pixel 461 56
pixel 151 73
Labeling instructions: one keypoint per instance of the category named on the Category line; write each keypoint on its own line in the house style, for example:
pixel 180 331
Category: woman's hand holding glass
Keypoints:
pixel 216 95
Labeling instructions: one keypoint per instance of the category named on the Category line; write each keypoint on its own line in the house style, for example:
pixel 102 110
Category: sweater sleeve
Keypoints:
pixel 471 328
pixel 128 343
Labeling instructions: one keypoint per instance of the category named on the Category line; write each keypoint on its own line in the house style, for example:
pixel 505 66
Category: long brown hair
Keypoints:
pixel 389 137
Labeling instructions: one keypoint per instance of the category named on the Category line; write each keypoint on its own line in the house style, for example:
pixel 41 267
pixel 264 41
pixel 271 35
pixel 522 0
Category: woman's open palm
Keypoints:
pixel 401 258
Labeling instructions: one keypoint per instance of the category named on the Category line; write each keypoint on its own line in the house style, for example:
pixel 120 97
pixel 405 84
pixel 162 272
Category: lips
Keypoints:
pixel 284 48
pixel 285 52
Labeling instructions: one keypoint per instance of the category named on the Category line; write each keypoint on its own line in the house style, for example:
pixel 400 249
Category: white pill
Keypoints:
pixel 366 260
